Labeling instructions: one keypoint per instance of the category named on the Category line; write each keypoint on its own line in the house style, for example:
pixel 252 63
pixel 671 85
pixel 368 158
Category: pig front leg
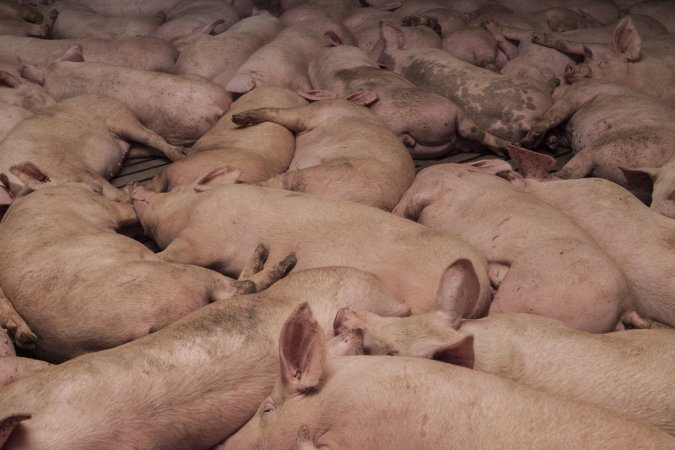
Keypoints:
pixel 129 128
pixel 262 277
pixel 498 32
pixel 563 45
pixel 468 129
pixel 580 166
pixel 561 111
pixel 289 118
pixel 15 325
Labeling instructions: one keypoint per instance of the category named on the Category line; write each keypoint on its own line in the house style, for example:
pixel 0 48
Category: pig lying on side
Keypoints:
pixel 541 261
pixel 259 152
pixel 379 402
pixel 500 105
pixel 284 61
pixel 82 287
pixel 416 264
pixel 639 240
pixel 368 164
pixel 613 128
pixel 179 108
pixel 189 385
pixel 647 65
pixel 84 138
pixel 190 15
pixel 16 26
pixel 142 52
pixel 427 123
pixel 627 372
pixel 13 367
pixel 201 54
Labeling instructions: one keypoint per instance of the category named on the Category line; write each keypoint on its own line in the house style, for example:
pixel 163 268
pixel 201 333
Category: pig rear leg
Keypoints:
pixel 468 129
pixel 580 166
pixel 497 32
pixel 15 325
pixel 562 45
pixel 558 113
pixel 255 270
pixel 183 250
pixel 129 128
pixel 290 118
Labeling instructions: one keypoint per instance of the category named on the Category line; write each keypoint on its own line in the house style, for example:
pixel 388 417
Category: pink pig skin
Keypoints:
pixel 142 52
pixel 541 261
pixel 627 372
pixel 379 402
pixel 340 169
pixel 639 240
pixel 613 128
pixel 189 385
pixel 179 108
pixel 259 152
pixel 418 265
pixel 200 53
pixel 107 288
pixel 53 139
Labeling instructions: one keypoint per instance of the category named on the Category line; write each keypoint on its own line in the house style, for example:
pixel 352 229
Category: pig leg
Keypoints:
pixel 17 327
pixel 580 166
pixel 256 263
pixel 183 251
pixel 291 118
pixel 565 46
pixel 129 128
pixel 557 114
pixel 255 271
pixel 497 32
pixel 468 129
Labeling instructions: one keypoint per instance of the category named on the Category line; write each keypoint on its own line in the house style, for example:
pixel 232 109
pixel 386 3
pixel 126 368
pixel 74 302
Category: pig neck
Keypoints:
pixel 69 79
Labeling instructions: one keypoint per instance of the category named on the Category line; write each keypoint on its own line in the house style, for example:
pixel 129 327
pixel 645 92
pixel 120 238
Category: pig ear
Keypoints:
pixel 241 83
pixel 317 94
pixel 588 53
pixel 73 54
pixel 218 177
pixel 33 73
pixel 5 196
pixel 332 38
pixel 458 352
pixel 532 164
pixel 393 36
pixel 491 165
pixel 31 175
pixel 8 424
pixel 459 289
pixel 626 39
pixel 302 351
pixel 363 98
pixel 9 80
pixel 513 177
pixel 641 179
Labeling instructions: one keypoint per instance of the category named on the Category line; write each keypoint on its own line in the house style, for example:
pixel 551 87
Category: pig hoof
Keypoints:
pixel 25 339
pixel 243 120
pixel 287 264
pixel 246 287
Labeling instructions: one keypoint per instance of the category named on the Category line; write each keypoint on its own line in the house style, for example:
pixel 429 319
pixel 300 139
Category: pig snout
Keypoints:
pixel 575 73
pixel 346 343
pixel 140 198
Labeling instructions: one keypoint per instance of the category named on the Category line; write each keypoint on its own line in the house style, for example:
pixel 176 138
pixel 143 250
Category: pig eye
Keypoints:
pixel 267 407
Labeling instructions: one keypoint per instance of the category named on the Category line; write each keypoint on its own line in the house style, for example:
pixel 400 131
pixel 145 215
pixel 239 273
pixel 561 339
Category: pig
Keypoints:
pixel 16 26
pixel 283 62
pixel 108 288
pixel 647 65
pixel 416 403
pixel 259 152
pixel 144 52
pixel 218 362
pixel 128 7
pixel 78 21
pixel 500 105
pixel 13 367
pixel 408 37
pixel 448 20
pixel 605 123
pixel 426 123
pixel 339 168
pixel 179 108
pixel 27 12
pixel 189 15
pixel 84 138
pixel 603 11
pixel 416 263
pixel 540 261
pixel 527 59
pixel 639 240
pixel 201 54
pixel 627 372
pixel 661 10
pixel 555 19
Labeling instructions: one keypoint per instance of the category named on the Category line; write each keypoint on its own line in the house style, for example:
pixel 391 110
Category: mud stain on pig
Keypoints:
pixel 240 319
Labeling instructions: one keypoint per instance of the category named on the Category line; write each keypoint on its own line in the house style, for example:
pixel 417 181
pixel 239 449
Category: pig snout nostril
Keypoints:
pixel 569 71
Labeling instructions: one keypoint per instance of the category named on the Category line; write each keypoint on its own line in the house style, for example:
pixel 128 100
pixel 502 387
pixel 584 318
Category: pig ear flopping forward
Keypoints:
pixel 626 39
pixel 302 351
pixel 31 175
pixel 459 290
pixel 217 177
